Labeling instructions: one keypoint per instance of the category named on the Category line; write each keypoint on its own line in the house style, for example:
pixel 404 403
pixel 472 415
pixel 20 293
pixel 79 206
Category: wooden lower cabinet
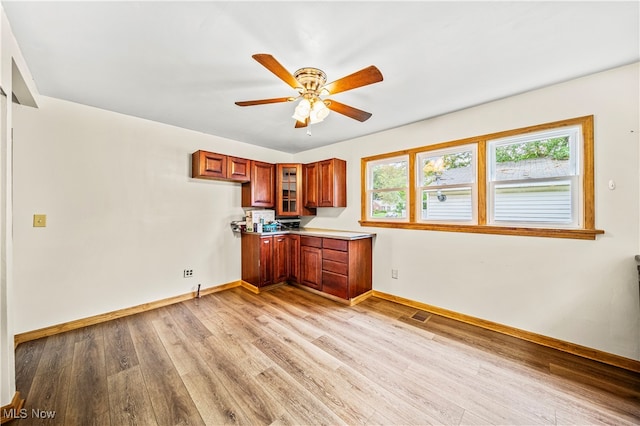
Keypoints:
pixel 340 268
pixel 280 258
pixel 293 250
pixel 346 267
pixel 270 259
pixel 311 262
pixel 257 259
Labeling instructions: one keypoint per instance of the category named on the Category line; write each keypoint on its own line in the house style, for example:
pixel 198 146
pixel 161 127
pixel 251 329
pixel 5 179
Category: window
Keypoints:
pixel 388 188
pixel 447 184
pixel 535 181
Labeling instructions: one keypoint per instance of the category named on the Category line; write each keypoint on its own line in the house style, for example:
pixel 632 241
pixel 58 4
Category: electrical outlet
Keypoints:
pixel 394 274
pixel 188 273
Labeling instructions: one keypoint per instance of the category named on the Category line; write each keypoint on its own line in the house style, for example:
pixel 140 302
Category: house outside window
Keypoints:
pixel 534 181
pixel 388 188
pixel 447 184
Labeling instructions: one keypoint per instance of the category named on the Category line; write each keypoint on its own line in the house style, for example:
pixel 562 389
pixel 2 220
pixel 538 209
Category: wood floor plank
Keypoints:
pixel 169 397
pixel 413 402
pixel 129 402
pixel 318 372
pixel 29 354
pixel 290 357
pixel 214 401
pixel 329 389
pixel 190 324
pixel 258 406
pixel 228 336
pixel 88 390
pixel 49 390
pixel 120 353
pixel 297 404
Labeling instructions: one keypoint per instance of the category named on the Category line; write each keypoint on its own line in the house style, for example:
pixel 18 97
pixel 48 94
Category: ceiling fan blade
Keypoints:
pixel 270 63
pixel 365 76
pixel 264 101
pixel 349 111
pixel 300 125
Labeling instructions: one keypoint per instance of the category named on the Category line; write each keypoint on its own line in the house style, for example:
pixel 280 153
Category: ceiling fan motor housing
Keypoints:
pixel 312 81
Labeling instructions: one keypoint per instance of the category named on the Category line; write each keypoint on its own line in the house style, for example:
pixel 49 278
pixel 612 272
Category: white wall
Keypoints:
pixel 14 77
pixel 585 292
pixel 124 218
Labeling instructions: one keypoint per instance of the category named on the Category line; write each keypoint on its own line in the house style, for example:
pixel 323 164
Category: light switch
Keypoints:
pixel 39 220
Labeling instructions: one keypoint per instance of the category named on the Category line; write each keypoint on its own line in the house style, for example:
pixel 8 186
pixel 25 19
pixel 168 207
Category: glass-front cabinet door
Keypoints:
pixel 289 189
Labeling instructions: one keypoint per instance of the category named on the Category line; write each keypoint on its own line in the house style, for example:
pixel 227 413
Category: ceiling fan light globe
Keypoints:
pixel 322 112
pixel 319 112
pixel 300 117
pixel 304 104
pixel 314 118
pixel 302 110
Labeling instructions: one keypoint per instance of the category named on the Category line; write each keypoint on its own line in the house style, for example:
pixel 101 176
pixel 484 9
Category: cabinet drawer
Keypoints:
pixel 336 256
pixel 331 243
pixel 311 241
pixel 335 284
pixel 337 267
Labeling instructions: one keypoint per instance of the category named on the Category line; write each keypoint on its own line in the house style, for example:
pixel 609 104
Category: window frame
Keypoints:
pixel 574 177
pixel 586 215
pixel 473 184
pixel 368 172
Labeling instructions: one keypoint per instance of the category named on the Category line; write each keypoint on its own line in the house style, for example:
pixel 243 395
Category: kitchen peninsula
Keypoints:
pixel 334 264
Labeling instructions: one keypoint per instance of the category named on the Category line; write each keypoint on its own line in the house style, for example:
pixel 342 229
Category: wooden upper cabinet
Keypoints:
pixel 289 191
pixel 208 165
pixel 259 191
pixel 310 197
pixel 211 165
pixel 326 183
pixel 238 169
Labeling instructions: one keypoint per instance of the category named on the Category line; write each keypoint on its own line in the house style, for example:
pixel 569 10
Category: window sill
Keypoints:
pixel 578 234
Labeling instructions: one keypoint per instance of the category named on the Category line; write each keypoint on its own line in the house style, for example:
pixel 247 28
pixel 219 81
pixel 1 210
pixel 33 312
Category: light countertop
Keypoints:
pixel 317 232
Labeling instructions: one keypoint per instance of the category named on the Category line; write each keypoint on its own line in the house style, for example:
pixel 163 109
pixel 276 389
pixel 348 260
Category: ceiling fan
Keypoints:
pixel 311 86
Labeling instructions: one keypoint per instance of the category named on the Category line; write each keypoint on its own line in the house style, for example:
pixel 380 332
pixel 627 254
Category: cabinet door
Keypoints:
pixel 332 180
pixel 310 185
pixel 266 261
pixel 288 189
pixel 251 270
pixel 294 257
pixel 311 267
pixel 208 165
pixel 259 192
pixel 280 258
pixel 238 169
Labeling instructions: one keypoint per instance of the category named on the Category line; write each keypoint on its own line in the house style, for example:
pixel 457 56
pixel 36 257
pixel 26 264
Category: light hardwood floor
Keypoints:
pixel 291 357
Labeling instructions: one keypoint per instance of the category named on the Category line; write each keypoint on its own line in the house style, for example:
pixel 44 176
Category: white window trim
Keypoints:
pixel 585 202
pixel 576 176
pixel 371 191
pixel 474 184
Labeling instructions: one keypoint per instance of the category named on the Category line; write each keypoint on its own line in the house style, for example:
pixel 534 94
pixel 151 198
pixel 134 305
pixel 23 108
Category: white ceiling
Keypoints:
pixel 186 63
